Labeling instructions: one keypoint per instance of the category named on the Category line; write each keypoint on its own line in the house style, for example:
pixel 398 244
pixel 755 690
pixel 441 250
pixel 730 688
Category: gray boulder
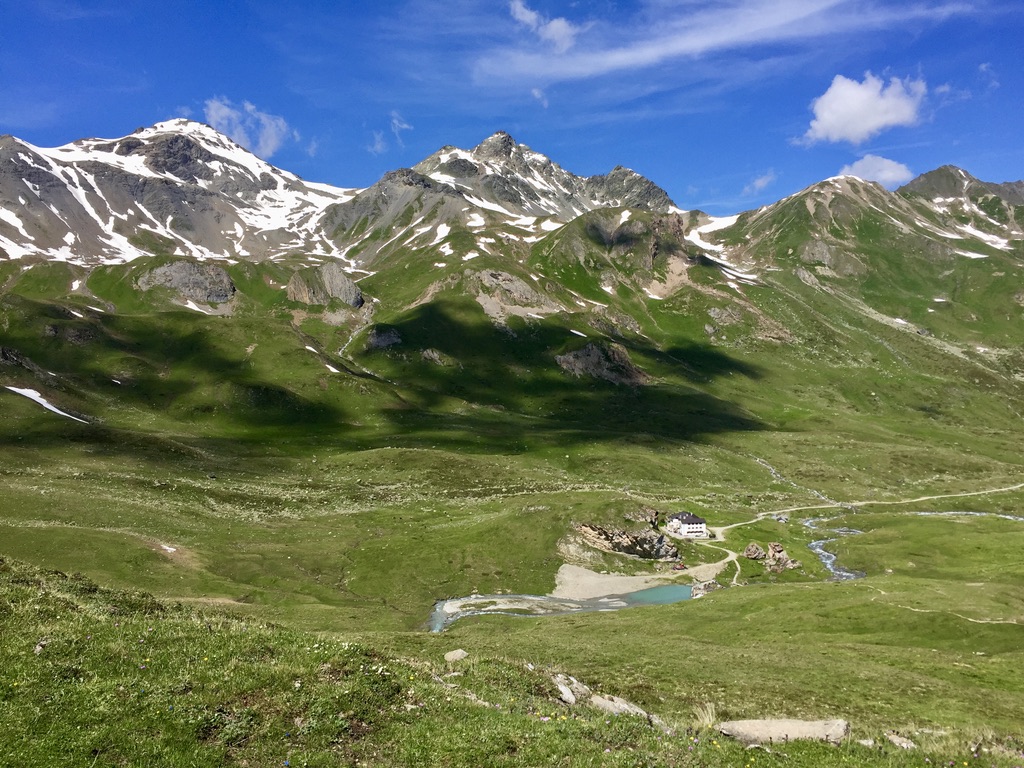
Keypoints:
pixel 778 731
pixel 754 552
pixel 570 690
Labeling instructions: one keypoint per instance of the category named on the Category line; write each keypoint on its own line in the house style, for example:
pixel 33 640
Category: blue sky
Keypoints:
pixel 728 104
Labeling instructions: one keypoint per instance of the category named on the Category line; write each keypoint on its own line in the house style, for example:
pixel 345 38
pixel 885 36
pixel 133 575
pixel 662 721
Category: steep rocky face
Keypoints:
pixel 206 283
pixel 646 544
pixel 320 285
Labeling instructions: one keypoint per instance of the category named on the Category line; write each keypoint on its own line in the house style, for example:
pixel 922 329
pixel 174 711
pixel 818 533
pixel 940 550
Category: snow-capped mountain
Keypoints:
pixel 175 188
pixel 500 191
pixel 511 179
pixel 842 223
pixel 180 188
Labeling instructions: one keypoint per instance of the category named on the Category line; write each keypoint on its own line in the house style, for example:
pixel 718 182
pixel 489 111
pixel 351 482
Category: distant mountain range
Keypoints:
pixel 181 208
pixel 180 188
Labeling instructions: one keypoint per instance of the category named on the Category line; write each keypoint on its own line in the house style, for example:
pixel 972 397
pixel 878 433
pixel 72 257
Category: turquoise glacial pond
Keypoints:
pixel 446 612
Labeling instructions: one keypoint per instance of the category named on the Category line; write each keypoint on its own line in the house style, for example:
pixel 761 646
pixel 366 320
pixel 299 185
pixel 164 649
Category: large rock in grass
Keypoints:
pixel 779 731
pixel 320 285
pixel 207 283
pixel 754 551
pixel 609 362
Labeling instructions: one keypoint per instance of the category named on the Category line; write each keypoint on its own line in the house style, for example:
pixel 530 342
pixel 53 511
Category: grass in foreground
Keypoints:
pixel 99 677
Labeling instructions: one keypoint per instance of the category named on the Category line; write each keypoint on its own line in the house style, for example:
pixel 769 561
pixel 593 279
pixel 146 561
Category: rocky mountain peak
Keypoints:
pixel 945 181
pixel 498 146
pixel 948 181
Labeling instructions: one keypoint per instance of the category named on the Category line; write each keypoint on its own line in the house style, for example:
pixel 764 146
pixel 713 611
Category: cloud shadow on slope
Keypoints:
pixel 504 392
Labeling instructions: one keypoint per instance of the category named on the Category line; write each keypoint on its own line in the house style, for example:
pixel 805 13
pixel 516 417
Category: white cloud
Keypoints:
pixel 379 146
pixel 559 32
pixel 524 15
pixel 397 126
pixel 886 172
pixel 259 132
pixel 759 183
pixel 671 30
pixel 985 71
pixel 854 112
pixel 540 96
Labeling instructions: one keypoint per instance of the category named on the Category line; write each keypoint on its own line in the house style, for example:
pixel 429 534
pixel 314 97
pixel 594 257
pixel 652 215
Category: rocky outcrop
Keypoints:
pixel 780 731
pixel 775 559
pixel 609 362
pixel 206 283
pixel 382 338
pixel 502 295
pixel 571 691
pixel 320 285
pixel 646 544
pixel 754 552
pixel 702 588
pixel 840 262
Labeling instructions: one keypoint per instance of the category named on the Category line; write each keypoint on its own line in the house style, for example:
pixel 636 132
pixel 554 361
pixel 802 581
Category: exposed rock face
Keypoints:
pixel 320 285
pixel 456 655
pixel 646 544
pixel 501 295
pixel 820 252
pixel 207 283
pixel 779 731
pixel 609 362
pixel 381 338
pixel 754 551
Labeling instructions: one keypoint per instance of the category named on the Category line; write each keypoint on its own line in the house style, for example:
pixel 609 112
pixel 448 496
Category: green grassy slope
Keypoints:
pixel 99 677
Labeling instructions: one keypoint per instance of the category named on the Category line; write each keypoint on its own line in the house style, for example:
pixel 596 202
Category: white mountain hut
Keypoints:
pixel 687 525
